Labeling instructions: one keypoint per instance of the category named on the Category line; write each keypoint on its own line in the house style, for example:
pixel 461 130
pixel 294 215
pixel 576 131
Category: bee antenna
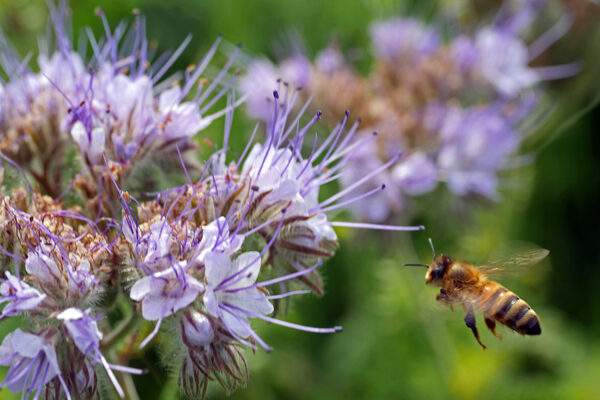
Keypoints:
pixel 432 249
pixel 416 265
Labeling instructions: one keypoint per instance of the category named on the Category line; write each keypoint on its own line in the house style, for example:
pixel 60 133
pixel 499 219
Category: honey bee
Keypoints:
pixel 467 285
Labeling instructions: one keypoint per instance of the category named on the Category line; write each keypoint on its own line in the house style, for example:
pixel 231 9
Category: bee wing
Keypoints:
pixel 515 263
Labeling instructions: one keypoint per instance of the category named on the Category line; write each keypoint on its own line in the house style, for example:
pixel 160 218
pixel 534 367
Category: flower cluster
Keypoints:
pixel 201 260
pixel 454 107
pixel 118 108
pixel 212 255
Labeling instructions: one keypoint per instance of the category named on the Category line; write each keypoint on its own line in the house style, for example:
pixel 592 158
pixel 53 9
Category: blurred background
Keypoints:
pixel 398 342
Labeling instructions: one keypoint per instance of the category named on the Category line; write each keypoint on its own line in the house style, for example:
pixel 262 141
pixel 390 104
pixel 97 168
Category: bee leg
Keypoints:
pixel 442 296
pixel 491 324
pixel 470 321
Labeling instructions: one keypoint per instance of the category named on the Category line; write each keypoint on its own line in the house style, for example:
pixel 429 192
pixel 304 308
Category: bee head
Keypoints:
pixel 437 269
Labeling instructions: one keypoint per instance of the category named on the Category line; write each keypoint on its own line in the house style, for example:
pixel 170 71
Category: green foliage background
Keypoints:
pixel 397 342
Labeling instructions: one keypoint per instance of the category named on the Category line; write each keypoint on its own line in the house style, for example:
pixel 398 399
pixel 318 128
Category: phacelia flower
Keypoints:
pixel 120 109
pixel 208 254
pixel 423 87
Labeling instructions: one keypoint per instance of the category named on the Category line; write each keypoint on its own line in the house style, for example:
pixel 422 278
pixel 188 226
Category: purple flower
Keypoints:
pixel 31 360
pixel 503 60
pixel 403 39
pixel 182 120
pixel 64 70
pixel 415 174
pixel 230 291
pixel 165 292
pixel 216 238
pixel 211 353
pixel 471 157
pixel 19 296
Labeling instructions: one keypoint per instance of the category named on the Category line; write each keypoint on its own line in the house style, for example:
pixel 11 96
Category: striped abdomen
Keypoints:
pixel 507 308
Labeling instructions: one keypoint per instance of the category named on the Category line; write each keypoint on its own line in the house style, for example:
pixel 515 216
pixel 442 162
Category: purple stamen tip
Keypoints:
pixel 338 329
pixel 347 112
pixel 275 94
pixel 375 133
pixel 319 113
pixel 255 188
pixel 383 186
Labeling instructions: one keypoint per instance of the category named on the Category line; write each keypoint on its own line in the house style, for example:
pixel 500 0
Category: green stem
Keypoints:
pixel 126 381
pixel 119 333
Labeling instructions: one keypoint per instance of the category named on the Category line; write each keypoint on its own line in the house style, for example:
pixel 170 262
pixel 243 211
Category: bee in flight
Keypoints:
pixel 467 285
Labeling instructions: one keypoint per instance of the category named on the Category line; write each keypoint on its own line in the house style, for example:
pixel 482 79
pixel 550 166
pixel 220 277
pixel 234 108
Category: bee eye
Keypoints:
pixel 437 271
